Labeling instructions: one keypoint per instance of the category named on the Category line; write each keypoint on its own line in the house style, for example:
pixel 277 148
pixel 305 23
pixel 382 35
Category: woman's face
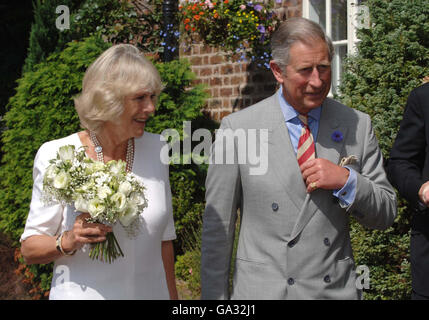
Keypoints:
pixel 138 108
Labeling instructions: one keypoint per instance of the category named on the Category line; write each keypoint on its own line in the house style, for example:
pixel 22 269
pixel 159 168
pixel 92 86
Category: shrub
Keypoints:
pixel 117 22
pixel 393 58
pixel 188 265
pixel 44 34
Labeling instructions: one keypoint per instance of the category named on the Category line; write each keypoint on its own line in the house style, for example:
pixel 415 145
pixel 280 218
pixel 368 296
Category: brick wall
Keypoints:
pixel 233 85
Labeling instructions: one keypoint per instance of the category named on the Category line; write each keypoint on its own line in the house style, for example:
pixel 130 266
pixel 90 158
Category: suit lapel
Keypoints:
pixel 281 156
pixel 326 148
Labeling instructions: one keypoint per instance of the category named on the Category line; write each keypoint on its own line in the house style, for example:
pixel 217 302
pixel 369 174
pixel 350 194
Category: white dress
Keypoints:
pixel 138 275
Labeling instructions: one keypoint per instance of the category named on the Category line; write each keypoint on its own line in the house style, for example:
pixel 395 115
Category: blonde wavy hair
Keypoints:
pixel 118 72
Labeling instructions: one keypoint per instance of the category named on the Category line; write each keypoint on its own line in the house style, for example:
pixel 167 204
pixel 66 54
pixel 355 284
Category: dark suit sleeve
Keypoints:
pixel 407 156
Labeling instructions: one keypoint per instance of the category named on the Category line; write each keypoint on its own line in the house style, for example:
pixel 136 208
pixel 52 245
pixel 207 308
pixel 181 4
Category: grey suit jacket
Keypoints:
pixel 292 245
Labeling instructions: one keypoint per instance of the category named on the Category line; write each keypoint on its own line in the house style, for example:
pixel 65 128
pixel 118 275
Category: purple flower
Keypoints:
pixel 257 7
pixel 337 136
pixel 279 1
pixel 261 28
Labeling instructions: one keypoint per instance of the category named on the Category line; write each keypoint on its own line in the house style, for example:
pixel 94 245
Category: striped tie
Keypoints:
pixel 305 144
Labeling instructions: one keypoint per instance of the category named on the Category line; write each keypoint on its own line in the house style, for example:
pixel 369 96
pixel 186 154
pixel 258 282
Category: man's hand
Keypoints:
pixel 424 193
pixel 323 174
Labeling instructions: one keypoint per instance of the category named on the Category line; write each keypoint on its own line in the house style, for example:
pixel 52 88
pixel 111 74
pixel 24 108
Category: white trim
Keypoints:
pixel 353 23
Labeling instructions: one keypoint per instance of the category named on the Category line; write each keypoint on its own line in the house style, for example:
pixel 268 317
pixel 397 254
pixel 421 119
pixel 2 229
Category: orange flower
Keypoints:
pixel 216 15
pixel 201 13
pixel 193 29
pixel 187 27
pixel 197 17
pixel 226 1
pixel 187 20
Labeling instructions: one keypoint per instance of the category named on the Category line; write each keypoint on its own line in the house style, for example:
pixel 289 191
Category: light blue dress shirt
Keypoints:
pixel 346 194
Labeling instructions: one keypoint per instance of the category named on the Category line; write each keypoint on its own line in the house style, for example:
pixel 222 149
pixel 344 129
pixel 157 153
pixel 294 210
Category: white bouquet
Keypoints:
pixel 106 191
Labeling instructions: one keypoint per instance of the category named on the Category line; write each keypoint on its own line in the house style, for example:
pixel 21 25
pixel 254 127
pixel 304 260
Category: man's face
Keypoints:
pixel 307 78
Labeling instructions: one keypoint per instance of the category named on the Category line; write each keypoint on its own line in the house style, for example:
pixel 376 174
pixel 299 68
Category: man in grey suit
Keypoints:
pixel 294 240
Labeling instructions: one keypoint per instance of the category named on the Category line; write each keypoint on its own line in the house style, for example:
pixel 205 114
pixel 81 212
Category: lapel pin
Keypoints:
pixel 337 136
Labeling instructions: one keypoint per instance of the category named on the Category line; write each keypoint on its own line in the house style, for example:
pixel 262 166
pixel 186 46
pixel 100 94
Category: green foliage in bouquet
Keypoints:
pixel 393 59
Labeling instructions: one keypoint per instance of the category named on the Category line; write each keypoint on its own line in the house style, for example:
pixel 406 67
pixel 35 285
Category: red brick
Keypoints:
pixel 216 59
pixel 215 81
pixel 228 69
pixel 226 103
pixel 224 114
pixel 205 49
pixel 215 103
pixel 195 50
pixel 215 92
pixel 196 61
pixel 225 92
pixel 205 72
pixel 237 80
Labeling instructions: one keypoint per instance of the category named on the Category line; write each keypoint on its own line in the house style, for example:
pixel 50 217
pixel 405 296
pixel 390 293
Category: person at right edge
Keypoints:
pixel 408 171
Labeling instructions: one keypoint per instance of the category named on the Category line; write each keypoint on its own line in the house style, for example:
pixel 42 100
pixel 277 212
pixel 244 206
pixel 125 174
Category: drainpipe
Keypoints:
pixel 169 10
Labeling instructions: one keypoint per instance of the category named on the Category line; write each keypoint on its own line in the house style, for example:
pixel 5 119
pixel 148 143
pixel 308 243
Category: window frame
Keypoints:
pixel 354 7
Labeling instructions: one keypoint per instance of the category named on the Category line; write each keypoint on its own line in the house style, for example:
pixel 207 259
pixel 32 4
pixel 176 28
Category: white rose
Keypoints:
pixel 50 172
pixel 66 153
pixel 103 192
pixel 120 201
pixel 125 187
pixel 129 215
pixel 117 167
pixel 137 198
pixel 61 180
pixel 81 204
pixel 95 207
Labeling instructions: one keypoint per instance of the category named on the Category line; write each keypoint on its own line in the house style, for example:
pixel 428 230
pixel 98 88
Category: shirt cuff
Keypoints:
pixel 346 195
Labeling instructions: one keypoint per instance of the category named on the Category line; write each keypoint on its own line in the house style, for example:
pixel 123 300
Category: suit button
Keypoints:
pixel 327 279
pixel 292 243
pixel 326 242
pixel 290 281
pixel 275 206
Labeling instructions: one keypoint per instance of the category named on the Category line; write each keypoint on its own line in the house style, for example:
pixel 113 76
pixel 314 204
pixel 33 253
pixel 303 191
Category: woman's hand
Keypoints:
pixel 84 232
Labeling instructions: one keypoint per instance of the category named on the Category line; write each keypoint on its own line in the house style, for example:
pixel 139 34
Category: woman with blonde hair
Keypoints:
pixel 118 96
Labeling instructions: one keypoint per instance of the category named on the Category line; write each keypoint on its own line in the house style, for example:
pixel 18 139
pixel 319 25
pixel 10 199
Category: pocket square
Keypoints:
pixel 347 160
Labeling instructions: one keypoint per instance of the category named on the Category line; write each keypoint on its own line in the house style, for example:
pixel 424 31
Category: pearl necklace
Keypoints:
pixel 99 151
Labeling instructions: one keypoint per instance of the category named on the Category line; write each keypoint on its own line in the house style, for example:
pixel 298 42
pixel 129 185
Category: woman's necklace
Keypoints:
pixel 99 151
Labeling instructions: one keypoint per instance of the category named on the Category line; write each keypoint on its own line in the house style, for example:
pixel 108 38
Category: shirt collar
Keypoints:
pixel 290 113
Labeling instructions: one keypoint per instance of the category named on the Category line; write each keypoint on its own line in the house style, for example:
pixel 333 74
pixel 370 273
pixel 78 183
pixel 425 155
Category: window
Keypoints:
pixel 340 19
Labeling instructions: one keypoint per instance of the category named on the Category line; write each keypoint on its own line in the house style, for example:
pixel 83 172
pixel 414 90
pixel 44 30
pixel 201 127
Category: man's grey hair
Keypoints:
pixel 294 30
